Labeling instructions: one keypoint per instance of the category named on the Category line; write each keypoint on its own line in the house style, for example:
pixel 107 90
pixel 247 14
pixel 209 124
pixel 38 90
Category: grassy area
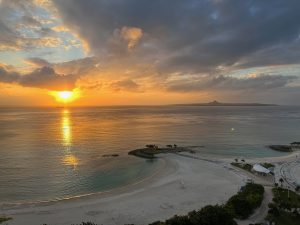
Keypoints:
pixel 4 219
pixel 244 166
pixel 282 210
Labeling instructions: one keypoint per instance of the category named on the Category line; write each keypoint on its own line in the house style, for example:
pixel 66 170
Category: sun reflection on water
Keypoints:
pixel 69 159
pixel 66 128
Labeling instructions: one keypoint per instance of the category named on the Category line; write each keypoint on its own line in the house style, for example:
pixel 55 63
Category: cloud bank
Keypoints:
pixel 191 36
pixel 44 77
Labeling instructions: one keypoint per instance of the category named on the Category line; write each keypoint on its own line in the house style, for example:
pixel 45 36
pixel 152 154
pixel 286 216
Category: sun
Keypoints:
pixel 66 96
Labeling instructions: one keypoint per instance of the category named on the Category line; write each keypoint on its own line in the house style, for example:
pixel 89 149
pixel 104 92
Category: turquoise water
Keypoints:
pixel 48 154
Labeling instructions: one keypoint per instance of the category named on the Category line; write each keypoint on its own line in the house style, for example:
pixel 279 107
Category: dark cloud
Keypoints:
pixel 39 62
pixel 221 83
pixel 44 77
pixel 7 76
pixel 191 36
pixel 80 67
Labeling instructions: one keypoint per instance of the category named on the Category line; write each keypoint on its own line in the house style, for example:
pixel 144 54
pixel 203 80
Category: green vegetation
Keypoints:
pixel 84 223
pixel 286 218
pixel 208 215
pixel 286 199
pixel 267 165
pixel 244 166
pixel 243 204
pixel 4 219
pixel 285 207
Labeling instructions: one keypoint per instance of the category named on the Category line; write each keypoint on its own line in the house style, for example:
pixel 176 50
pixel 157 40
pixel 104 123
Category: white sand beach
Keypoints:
pixel 181 185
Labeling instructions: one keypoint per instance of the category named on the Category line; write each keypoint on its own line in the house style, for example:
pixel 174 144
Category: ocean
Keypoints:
pixel 55 153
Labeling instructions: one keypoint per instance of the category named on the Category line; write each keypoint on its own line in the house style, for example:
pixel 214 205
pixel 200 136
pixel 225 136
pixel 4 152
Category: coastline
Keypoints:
pixel 181 185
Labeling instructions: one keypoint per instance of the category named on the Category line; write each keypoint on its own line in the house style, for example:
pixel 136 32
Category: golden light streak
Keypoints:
pixel 66 129
pixel 69 159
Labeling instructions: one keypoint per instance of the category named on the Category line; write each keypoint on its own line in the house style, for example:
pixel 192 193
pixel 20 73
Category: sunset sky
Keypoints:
pixel 120 52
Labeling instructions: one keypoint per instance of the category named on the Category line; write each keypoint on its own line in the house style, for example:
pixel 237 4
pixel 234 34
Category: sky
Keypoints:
pixel 141 52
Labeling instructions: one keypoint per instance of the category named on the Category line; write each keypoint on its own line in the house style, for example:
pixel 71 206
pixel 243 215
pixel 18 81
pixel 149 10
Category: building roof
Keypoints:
pixel 259 168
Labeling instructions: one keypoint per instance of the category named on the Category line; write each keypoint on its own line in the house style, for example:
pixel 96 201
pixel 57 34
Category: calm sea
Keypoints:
pixel 48 154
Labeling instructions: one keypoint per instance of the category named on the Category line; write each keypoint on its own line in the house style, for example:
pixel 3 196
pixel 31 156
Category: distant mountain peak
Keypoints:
pixel 216 103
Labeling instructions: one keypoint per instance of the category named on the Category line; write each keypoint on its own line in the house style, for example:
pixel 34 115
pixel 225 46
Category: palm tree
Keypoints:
pixel 281 181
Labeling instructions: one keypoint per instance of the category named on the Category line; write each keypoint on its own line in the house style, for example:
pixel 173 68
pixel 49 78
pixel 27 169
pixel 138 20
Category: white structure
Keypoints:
pixel 260 169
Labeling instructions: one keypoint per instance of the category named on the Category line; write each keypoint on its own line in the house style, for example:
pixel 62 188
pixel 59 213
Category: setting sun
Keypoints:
pixel 65 96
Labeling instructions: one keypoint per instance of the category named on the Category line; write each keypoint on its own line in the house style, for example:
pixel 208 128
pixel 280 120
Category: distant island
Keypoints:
pixel 216 103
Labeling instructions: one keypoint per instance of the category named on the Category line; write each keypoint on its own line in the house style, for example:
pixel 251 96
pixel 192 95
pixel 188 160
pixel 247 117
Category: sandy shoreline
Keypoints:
pixel 183 184
pixel 161 169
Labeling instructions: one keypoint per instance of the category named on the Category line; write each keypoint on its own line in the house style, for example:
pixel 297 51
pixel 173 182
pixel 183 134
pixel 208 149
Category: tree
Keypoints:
pixel 281 181
pixel 211 215
pixel 273 210
pixel 4 219
pixel 158 223
pixel 243 204
pixel 178 220
pixel 240 207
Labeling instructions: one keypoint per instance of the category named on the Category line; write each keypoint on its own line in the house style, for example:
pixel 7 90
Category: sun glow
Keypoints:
pixel 66 96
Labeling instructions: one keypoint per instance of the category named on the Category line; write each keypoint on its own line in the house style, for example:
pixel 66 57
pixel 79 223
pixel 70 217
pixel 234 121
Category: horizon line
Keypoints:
pixel 222 104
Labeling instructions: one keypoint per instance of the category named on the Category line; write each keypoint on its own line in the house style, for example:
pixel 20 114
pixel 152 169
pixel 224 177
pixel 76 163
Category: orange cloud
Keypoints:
pixel 132 35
